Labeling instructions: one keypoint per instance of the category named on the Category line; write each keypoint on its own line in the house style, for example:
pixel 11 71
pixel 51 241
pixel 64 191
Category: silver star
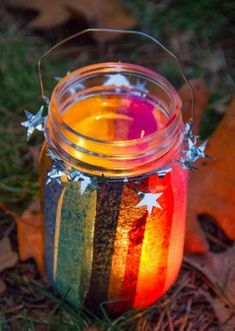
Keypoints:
pixel 55 174
pixel 186 164
pixel 194 152
pixel 117 80
pixel 149 200
pixel 74 176
pixel 34 122
pixel 140 87
pixel 162 172
pixel 85 182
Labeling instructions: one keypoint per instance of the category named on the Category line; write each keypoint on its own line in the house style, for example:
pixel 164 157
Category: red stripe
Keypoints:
pixel 167 204
pixel 136 236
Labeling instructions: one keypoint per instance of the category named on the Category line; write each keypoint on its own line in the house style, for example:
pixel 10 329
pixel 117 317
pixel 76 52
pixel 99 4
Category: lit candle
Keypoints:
pixel 106 241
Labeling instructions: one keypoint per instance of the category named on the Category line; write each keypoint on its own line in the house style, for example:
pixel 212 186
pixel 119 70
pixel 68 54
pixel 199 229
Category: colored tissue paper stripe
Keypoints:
pixel 154 256
pixel 71 243
pixel 176 248
pixel 107 209
pixel 124 269
pixel 89 230
pixel 52 193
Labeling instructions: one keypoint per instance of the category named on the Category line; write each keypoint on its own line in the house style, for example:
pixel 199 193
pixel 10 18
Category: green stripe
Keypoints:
pixel 70 265
pixel 89 229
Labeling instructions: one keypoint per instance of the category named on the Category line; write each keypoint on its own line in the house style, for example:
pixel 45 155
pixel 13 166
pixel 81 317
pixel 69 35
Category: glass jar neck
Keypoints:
pixel 98 147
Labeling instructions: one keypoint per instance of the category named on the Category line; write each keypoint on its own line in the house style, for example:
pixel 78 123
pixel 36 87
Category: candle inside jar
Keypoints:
pixel 114 117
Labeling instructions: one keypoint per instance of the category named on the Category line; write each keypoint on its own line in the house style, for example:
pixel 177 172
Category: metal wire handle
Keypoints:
pixel 143 34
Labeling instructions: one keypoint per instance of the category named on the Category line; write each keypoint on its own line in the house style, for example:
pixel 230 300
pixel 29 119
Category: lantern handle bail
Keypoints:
pixel 120 31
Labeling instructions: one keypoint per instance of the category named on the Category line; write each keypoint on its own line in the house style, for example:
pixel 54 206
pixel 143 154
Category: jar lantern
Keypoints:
pixel 114 227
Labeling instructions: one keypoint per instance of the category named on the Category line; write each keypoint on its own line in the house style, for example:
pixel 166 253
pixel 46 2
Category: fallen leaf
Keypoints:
pixel 212 186
pixel 99 13
pixel 8 258
pixel 224 314
pixel 30 235
pixel 220 271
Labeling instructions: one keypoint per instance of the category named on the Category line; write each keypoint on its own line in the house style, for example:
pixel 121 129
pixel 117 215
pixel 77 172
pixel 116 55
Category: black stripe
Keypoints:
pixel 107 210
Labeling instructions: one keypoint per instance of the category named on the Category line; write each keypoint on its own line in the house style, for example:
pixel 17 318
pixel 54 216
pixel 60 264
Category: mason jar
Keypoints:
pixel 114 229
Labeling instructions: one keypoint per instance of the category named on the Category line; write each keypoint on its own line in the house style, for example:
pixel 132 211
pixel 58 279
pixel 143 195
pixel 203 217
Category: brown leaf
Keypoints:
pixel 220 270
pixel 30 235
pixel 100 13
pixel 8 258
pixel 212 186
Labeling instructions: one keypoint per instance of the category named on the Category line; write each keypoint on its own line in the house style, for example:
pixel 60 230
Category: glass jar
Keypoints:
pixel 117 238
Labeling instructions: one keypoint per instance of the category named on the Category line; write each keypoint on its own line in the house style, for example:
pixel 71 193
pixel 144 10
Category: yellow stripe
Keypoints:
pixel 57 232
pixel 150 262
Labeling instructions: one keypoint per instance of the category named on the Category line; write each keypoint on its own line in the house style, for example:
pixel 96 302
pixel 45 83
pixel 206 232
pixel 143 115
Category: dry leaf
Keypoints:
pixel 220 270
pixel 212 186
pixel 99 13
pixel 224 314
pixel 8 258
pixel 30 235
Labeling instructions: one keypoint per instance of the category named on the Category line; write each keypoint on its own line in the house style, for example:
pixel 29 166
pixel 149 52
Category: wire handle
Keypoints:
pixel 143 34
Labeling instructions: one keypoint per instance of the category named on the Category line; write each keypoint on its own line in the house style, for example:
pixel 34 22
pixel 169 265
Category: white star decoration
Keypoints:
pixel 162 172
pixel 55 174
pixel 72 90
pixel 117 80
pixel 77 176
pixel 149 200
pixel 34 122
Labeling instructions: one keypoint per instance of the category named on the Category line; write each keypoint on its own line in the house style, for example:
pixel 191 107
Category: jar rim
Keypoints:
pixel 119 67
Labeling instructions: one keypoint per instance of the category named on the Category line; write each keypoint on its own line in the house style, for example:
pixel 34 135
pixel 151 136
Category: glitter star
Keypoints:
pixel 117 80
pixel 149 200
pixel 55 174
pixel 162 172
pixel 85 182
pixel 34 122
pixel 195 152
pixel 74 176
pixel 141 86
